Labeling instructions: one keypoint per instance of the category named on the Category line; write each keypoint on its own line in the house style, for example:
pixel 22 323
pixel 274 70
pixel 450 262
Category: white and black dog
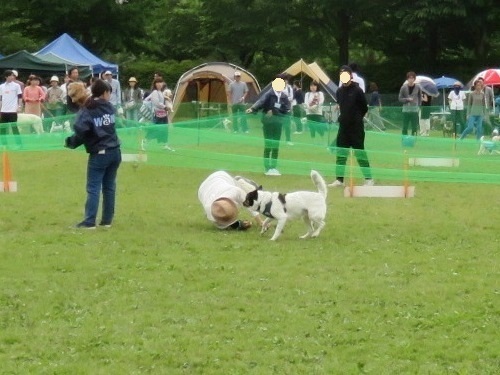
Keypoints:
pixel 309 205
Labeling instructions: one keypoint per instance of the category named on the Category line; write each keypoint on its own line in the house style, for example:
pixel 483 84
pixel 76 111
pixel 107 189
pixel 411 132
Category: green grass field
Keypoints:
pixel 392 286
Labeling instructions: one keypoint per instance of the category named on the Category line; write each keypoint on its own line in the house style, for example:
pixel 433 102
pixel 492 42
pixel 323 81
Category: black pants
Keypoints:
pixel 457 117
pixel 410 118
pixel 317 124
pixel 347 139
pixel 6 118
pixel 298 113
pixel 272 127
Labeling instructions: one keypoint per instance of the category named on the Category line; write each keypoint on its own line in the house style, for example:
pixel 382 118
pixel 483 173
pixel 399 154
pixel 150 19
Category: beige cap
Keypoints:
pixel 224 212
pixel 132 79
pixel 54 78
pixel 237 74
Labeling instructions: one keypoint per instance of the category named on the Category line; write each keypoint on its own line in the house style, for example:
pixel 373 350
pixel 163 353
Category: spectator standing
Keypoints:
pixel 95 129
pixel 410 95
pixel 275 106
pixel 33 95
pixel 356 77
pixel 73 76
pixel 55 98
pixel 160 115
pixel 238 92
pixel 116 92
pixel 287 121
pixel 456 99
pixel 489 98
pixel 313 102
pixel 132 97
pixel 352 107
pixel 11 97
pixel 375 107
pixel 476 110
pixel 425 115
pixel 20 83
pixel 298 106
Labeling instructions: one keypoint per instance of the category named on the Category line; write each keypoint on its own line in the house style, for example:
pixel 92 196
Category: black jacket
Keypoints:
pixel 352 105
pixel 270 102
pixel 95 128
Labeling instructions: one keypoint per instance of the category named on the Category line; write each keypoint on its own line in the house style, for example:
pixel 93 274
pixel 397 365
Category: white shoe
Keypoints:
pixel 336 183
pixel 297 132
pixel 168 148
pixel 289 143
pixel 369 182
pixel 272 172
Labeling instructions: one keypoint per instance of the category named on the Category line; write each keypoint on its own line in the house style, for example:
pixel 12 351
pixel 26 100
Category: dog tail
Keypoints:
pixel 319 182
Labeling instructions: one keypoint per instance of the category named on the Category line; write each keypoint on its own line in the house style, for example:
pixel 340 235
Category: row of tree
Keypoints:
pixel 385 37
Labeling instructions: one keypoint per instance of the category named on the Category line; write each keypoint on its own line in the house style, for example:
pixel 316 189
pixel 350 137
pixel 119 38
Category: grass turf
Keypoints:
pixel 391 286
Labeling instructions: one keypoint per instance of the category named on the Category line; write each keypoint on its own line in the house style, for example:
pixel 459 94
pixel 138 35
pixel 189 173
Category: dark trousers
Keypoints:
pixel 356 141
pixel 410 118
pixel 298 113
pixel 317 124
pixel 159 131
pixel 6 118
pixel 101 173
pixel 457 117
pixel 272 127
pixel 239 117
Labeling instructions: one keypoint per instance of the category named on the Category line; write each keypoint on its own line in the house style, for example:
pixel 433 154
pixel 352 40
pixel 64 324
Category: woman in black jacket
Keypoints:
pixel 95 129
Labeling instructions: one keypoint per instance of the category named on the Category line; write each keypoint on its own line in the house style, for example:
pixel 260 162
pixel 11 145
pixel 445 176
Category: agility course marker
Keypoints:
pixel 405 191
pixel 434 162
pixel 141 157
pixel 135 158
pixel 379 192
pixel 7 185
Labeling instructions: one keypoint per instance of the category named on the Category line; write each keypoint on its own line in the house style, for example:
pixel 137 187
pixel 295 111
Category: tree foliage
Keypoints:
pixel 454 37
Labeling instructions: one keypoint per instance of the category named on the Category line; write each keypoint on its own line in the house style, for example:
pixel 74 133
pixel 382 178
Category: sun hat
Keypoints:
pixel 54 78
pixel 132 79
pixel 224 212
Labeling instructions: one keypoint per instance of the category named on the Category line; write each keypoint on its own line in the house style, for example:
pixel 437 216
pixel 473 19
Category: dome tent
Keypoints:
pixel 209 83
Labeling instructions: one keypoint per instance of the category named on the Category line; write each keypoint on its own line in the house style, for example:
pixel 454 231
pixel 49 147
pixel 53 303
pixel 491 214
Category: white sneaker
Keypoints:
pixel 336 183
pixel 289 143
pixel 369 182
pixel 273 172
pixel 168 148
pixel 297 132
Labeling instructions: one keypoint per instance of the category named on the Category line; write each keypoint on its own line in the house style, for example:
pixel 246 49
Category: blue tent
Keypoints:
pixel 67 48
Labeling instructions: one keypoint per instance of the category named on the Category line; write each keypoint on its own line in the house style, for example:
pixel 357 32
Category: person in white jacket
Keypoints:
pixel 222 195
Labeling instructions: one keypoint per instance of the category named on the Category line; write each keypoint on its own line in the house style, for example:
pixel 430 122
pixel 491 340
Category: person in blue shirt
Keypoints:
pixel 95 129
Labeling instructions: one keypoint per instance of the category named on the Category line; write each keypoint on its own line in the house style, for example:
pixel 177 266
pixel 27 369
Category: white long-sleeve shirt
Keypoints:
pixel 218 185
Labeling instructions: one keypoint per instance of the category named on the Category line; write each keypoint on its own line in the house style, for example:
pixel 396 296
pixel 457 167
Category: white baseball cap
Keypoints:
pixel 54 78
pixel 107 72
pixel 237 74
pixel 15 72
